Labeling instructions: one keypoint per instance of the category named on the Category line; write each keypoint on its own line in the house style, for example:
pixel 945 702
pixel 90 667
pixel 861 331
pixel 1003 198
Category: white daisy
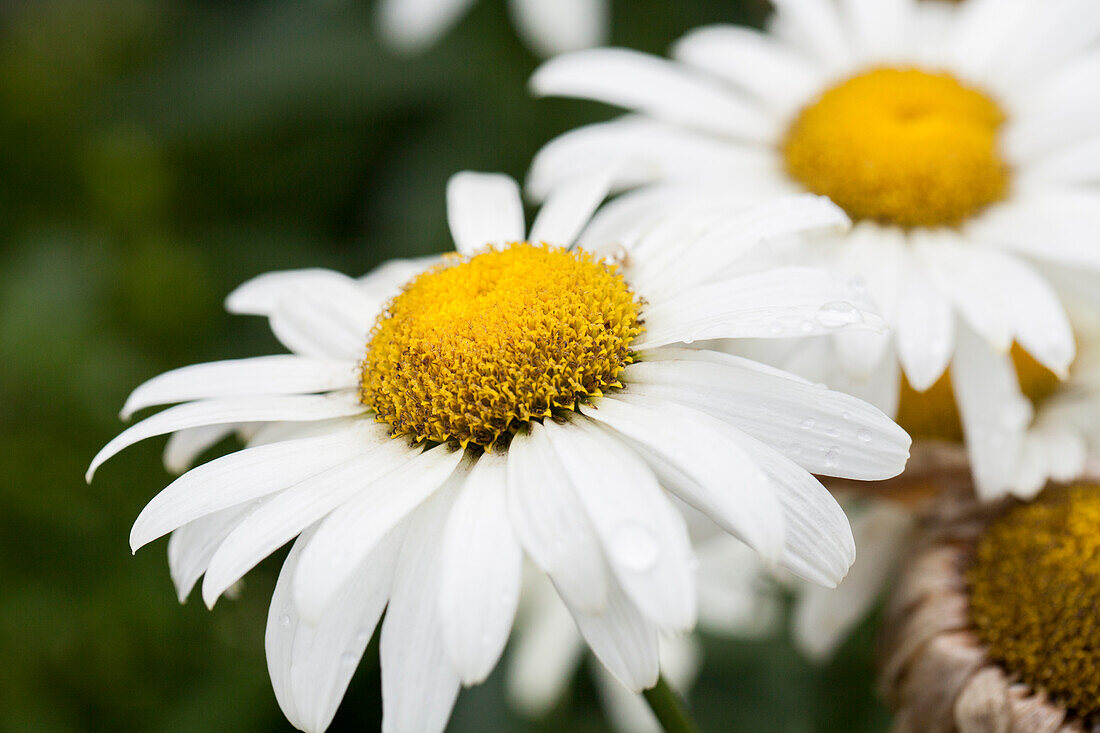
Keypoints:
pixel 963 139
pixel 547 28
pixel 512 399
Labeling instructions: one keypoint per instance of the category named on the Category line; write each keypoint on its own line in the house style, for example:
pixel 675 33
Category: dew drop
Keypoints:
pixel 837 314
pixel 363 635
pixel 284 620
pixel 634 547
pixel 832 457
pixel 349 658
pixel 864 435
pixel 808 423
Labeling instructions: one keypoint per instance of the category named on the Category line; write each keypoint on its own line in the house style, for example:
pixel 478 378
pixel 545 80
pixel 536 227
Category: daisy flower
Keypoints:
pixel 547 28
pixel 995 622
pixel 964 141
pixel 519 397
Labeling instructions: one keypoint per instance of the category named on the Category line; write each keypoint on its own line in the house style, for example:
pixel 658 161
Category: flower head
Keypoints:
pixel 957 137
pixel 438 421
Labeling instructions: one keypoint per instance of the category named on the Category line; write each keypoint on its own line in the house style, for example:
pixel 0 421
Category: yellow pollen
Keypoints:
pixel 900 146
pixel 475 347
pixel 1035 594
pixel 933 415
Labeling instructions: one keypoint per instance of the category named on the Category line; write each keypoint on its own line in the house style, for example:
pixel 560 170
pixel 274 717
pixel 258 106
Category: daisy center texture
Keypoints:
pixel 933 414
pixel 900 146
pixel 1034 595
pixel 475 347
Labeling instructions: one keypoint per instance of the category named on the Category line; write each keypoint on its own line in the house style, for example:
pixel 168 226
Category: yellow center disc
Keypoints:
pixel 900 146
pixel 1035 595
pixel 473 348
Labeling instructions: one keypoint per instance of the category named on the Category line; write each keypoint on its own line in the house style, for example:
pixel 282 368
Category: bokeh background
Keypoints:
pixel 153 155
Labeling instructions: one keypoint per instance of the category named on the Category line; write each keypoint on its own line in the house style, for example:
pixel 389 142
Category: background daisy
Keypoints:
pixel 960 138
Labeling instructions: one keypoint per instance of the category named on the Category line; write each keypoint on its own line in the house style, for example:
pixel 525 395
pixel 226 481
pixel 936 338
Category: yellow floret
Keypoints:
pixel 1035 595
pixel 473 348
pixel 900 146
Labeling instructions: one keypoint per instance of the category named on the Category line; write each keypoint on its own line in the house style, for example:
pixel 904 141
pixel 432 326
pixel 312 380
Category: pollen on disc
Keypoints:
pixel 475 347
pixel 900 146
pixel 1034 588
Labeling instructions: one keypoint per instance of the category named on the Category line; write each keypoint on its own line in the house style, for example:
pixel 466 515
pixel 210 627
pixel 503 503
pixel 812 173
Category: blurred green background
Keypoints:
pixel 152 156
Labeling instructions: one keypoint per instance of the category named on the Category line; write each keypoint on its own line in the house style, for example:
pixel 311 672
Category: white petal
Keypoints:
pixel 737 596
pixel 643 150
pixel 824 616
pixel 925 327
pixel 286 514
pixel 654 86
pixel 316 313
pixel 385 281
pixel 413 25
pixel 550 521
pixel 961 272
pixel 701 466
pixel 482 565
pixel 569 207
pixel 878 27
pixel 311 664
pixel 562 25
pixel 1056 113
pixel 756 62
pixel 623 641
pixel 995 414
pixel 815 23
pixel 262 375
pixel 185 446
pixel 644 538
pixel 419 686
pixel 261 295
pixel 230 410
pixel 352 531
pixel 1058 226
pixel 980 32
pixel 825 431
pixel 546 652
pixel 677 268
pixel 483 209
pixel 191 546
pixel 1076 164
pixel 243 476
pixel 776 303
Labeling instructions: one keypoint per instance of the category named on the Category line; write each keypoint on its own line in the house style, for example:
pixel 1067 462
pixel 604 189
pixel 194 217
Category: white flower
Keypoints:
pixel 964 140
pixel 546 26
pixel 546 421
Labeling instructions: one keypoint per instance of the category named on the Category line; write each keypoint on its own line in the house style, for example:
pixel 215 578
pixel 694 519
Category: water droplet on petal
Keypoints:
pixel 808 423
pixel 284 620
pixel 634 547
pixel 832 457
pixel 837 314
pixel 864 435
pixel 363 635
pixel 349 658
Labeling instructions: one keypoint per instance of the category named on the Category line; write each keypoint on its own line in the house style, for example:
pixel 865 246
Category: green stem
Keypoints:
pixel 670 710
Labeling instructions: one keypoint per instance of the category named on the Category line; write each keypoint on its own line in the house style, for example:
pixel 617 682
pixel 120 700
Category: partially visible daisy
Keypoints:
pixel 963 140
pixel 547 28
pixel 518 397
pixel 995 623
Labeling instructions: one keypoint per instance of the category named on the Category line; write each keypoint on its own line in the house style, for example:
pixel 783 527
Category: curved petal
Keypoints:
pixel 483 209
pixel 262 375
pixel 230 410
pixel 285 515
pixel 561 26
pixel 569 207
pixel 350 533
pixel 824 431
pixel 925 327
pixel 550 521
pixel 243 476
pixel 311 664
pixel 696 463
pixel 481 568
pixel 419 686
pixel 778 303
pixel 652 85
pixel 185 446
pixel 191 546
pixel 644 538
pixel 414 25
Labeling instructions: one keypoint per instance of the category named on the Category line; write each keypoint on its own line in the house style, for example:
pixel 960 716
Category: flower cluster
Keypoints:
pixel 652 409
